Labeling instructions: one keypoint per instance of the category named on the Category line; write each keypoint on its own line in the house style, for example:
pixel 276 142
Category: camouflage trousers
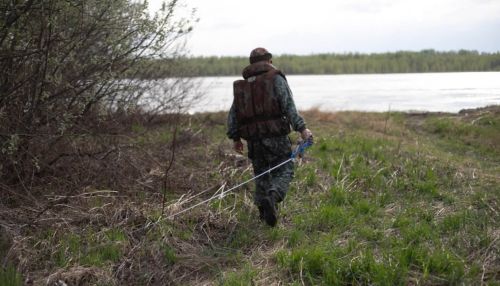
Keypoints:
pixel 265 154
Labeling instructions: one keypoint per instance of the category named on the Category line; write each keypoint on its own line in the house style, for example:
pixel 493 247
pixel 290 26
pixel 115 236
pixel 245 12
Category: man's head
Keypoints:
pixel 260 54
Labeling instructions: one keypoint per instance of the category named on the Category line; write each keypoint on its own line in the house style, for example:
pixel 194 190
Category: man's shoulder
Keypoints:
pixel 280 78
pixel 280 83
pixel 280 74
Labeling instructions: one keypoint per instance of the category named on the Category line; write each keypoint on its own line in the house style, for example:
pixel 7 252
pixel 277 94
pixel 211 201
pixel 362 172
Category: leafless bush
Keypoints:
pixel 68 87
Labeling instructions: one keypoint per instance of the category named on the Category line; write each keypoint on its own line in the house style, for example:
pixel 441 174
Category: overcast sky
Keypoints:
pixel 234 27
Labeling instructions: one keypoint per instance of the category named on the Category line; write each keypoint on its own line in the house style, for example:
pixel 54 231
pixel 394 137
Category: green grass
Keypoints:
pixel 243 277
pixel 169 254
pixel 477 136
pixel 90 249
pixel 393 215
pixel 10 277
pixel 98 256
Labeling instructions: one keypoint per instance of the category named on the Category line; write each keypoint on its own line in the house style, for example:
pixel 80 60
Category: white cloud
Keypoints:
pixel 229 27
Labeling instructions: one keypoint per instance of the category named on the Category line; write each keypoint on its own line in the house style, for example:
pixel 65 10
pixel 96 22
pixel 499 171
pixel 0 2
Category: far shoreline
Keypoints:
pixel 463 111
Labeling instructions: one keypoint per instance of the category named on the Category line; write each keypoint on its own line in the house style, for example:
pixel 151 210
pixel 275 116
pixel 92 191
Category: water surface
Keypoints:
pixel 449 92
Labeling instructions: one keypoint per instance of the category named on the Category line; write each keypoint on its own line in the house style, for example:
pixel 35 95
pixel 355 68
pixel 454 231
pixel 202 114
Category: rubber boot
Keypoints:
pixel 269 213
pixel 261 212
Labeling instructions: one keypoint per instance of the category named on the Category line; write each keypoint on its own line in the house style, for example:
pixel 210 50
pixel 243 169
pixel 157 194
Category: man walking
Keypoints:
pixel 263 113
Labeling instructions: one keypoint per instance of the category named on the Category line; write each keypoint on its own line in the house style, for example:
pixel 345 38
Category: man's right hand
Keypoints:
pixel 238 146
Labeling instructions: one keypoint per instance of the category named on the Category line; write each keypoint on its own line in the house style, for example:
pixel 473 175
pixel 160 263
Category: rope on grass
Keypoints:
pixel 298 151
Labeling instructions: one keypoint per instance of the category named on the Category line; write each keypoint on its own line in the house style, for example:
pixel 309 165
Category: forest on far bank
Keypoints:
pixel 347 63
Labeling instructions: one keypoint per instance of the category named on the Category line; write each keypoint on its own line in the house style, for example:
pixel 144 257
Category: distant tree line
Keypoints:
pixel 349 63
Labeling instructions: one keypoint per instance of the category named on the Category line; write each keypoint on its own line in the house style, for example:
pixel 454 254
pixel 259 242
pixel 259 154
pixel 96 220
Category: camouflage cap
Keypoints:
pixel 259 54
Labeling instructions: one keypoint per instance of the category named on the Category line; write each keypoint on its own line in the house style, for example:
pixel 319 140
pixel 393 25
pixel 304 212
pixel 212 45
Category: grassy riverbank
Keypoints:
pixel 382 198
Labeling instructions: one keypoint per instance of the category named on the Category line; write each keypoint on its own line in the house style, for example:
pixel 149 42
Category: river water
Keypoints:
pixel 449 92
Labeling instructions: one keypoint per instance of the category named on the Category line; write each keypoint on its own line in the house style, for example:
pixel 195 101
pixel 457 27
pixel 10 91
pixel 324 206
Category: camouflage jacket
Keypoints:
pixel 284 94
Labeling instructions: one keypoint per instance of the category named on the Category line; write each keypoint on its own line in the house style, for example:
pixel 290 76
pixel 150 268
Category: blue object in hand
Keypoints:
pixel 301 147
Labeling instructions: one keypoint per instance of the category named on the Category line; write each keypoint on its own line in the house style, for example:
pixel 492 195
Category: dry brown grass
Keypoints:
pixel 89 195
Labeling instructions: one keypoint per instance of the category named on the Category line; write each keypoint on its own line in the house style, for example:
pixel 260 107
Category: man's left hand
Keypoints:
pixel 238 146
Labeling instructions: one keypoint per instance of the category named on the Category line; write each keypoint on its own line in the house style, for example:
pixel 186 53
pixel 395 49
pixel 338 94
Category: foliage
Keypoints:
pixel 63 78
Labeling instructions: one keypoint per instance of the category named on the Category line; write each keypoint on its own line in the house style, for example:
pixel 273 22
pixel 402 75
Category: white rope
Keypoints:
pixel 223 193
